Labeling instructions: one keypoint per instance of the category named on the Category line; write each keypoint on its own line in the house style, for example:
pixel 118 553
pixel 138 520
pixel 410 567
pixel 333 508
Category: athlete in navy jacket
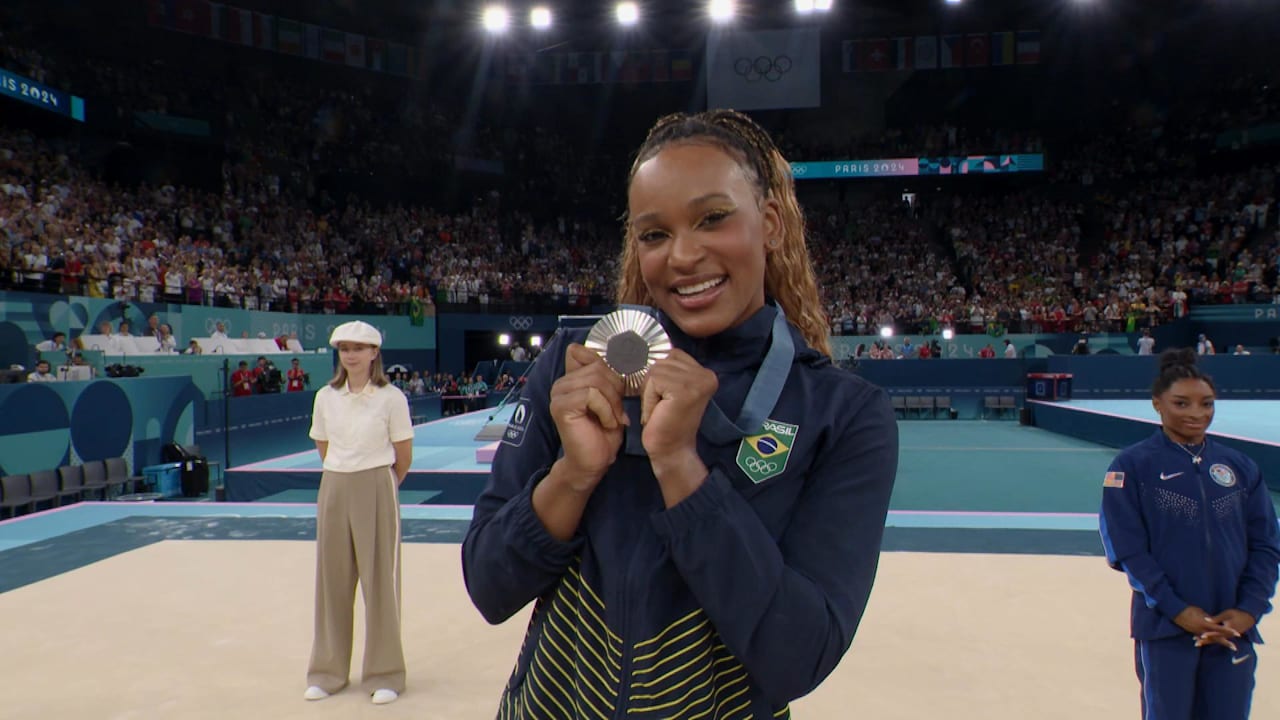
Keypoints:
pixel 678 572
pixel 1192 524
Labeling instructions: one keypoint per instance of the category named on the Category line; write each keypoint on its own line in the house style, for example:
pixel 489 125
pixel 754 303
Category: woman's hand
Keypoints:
pixel 672 402
pixel 586 406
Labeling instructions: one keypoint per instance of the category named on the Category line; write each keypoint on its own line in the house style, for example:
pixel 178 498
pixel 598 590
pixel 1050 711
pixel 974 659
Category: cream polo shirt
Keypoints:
pixel 360 427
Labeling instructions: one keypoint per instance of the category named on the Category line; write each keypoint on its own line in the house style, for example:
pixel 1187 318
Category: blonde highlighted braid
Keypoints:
pixel 788 275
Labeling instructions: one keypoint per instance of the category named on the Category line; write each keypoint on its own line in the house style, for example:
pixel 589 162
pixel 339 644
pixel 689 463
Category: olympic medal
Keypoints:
pixel 630 341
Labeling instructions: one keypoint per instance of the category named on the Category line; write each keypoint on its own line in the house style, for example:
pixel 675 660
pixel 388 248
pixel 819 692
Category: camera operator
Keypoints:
pixel 267 377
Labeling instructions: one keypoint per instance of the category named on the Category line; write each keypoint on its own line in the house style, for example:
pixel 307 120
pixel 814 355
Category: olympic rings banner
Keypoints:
pixel 764 70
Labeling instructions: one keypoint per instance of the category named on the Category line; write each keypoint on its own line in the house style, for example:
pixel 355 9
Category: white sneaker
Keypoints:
pixel 315 693
pixel 384 696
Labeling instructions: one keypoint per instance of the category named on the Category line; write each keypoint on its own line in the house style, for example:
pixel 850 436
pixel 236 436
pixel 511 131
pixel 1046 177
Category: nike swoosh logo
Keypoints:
pixel 1169 477
pixel 1238 660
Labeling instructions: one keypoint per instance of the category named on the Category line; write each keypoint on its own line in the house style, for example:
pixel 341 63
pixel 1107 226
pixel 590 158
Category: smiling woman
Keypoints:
pixel 1193 526
pixel 715 568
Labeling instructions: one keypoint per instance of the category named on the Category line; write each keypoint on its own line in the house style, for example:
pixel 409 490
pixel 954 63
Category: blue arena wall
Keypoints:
pixel 45 425
pixel 261 427
pixel 1115 431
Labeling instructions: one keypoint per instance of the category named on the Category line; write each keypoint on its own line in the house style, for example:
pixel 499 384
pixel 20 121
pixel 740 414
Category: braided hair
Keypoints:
pixel 1178 365
pixel 788 275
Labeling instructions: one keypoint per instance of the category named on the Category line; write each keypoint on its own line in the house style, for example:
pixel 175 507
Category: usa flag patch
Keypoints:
pixel 1113 479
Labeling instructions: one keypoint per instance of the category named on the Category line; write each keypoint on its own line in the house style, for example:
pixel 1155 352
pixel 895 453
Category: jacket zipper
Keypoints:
pixel 624 614
pixel 1208 532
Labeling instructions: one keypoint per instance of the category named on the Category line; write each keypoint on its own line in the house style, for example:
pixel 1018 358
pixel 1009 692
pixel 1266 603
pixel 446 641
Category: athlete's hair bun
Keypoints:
pixel 1178 365
pixel 1182 357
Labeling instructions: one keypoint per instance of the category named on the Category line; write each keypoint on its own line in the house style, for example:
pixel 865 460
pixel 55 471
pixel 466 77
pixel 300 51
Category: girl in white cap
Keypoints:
pixel 362 429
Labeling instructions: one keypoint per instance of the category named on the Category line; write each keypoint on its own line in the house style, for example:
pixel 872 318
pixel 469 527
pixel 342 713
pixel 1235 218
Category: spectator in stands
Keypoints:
pixel 1204 346
pixel 220 331
pixel 1240 350
pixel 362 429
pixel 168 343
pixel 1010 350
pixel 417 386
pixel 990 352
pixel 56 343
pixel 111 343
pixel 153 330
pixel 193 348
pixel 518 353
pixel 1146 343
pixel 41 373
pixel 124 330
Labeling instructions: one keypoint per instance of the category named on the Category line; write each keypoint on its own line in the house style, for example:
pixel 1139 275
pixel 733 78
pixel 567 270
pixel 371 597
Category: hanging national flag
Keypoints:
pixel 902 53
pixel 977 50
pixel 192 16
pixel 264 31
pixel 239 29
pixel 582 68
pixel 397 59
pixel 232 25
pixel 355 50
pixel 681 66
pixel 660 65
pixel 311 41
pixel 333 45
pixel 927 52
pixel 160 13
pixel 376 49
pixel 218 20
pixel 1002 48
pixel 289 36
pixel 951 51
pixel 1028 47
pixel 636 68
pixel 873 55
pixel 519 67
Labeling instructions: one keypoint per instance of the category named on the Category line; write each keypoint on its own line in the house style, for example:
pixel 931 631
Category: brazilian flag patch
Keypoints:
pixel 765 455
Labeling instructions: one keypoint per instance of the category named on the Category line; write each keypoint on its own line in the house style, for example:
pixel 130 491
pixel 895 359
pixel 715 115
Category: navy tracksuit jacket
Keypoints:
pixel 729 605
pixel 1188 534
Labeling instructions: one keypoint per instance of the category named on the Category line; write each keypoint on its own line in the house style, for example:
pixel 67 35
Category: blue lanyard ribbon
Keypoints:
pixel 763 395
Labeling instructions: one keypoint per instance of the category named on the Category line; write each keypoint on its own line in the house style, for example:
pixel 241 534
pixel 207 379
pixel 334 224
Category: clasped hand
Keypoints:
pixel 586 406
pixel 1218 629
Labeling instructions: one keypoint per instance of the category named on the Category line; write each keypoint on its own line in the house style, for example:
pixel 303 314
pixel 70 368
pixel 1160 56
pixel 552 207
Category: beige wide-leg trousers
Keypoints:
pixel 357 538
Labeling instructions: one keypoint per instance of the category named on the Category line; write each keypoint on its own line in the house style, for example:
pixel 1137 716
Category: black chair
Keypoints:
pixel 44 487
pixel 95 478
pixel 899 404
pixel 1008 402
pixel 97 482
pixel 15 492
pixel 943 403
pixel 118 474
pixel 71 480
pixel 990 403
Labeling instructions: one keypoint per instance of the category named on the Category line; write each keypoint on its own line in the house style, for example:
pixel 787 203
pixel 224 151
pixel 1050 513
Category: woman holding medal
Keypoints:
pixel 1192 525
pixel 696 505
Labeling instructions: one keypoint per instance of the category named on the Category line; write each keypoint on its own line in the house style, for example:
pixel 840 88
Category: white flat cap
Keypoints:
pixel 356 331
